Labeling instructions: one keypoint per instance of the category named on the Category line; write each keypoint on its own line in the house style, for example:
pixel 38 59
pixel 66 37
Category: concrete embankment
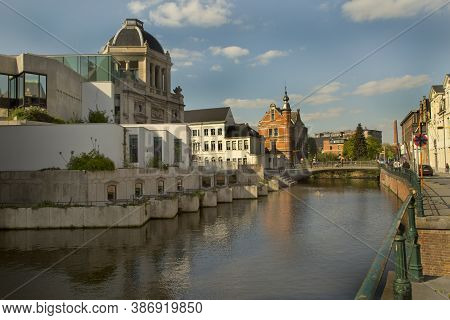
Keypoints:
pixel 434 231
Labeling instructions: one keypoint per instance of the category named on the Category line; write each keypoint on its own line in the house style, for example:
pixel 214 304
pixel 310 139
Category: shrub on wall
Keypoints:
pixel 97 116
pixel 33 114
pixel 91 161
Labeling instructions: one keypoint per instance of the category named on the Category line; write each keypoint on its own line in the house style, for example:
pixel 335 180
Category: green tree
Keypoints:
pixel 360 145
pixel 373 147
pixel 349 148
pixel 326 156
pixel 391 151
pixel 91 161
pixel 97 116
pixel 311 147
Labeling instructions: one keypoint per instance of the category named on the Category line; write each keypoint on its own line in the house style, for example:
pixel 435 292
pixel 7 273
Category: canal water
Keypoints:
pixel 312 241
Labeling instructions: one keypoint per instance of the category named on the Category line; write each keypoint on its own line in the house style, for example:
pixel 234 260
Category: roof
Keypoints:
pixel 438 88
pixel 241 130
pixel 132 34
pixel 206 115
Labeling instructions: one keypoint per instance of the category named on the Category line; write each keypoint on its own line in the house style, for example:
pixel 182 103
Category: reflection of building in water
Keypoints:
pixel 279 214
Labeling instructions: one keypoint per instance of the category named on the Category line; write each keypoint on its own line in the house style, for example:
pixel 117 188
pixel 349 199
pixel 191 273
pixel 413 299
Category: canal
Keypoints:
pixel 312 241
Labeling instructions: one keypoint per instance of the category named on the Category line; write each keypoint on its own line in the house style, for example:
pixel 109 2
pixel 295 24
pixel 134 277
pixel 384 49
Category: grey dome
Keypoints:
pixel 132 34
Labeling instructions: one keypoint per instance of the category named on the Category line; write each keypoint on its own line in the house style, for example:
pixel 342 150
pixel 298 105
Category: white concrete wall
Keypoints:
pixel 32 147
pixel 98 96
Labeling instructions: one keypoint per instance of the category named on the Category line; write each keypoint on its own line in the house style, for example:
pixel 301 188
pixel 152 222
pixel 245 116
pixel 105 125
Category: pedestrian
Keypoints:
pixel 447 168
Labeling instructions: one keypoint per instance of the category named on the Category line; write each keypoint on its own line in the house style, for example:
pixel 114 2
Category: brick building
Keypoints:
pixel 285 135
pixel 334 146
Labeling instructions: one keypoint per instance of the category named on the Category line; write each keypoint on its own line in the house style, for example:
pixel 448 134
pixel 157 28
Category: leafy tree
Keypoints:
pixel 91 161
pixel 311 147
pixel 373 147
pixel 360 144
pixel 391 151
pixel 349 148
pixel 97 116
pixel 33 113
pixel 327 156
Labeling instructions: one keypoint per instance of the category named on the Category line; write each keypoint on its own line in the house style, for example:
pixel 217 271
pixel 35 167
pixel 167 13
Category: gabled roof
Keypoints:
pixel 206 115
pixel 438 88
pixel 241 130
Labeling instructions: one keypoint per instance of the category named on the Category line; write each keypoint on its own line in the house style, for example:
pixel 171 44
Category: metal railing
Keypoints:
pixel 403 237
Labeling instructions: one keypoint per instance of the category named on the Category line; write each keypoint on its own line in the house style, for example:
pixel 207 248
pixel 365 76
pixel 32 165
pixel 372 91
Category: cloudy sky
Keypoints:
pixel 378 57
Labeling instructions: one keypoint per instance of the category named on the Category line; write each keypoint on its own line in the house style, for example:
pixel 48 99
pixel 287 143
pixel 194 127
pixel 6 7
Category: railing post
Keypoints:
pixel 415 270
pixel 419 203
pixel 402 286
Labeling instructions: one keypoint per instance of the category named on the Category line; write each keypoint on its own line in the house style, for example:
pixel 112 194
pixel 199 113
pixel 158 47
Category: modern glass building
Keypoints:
pixel 92 68
pixel 24 89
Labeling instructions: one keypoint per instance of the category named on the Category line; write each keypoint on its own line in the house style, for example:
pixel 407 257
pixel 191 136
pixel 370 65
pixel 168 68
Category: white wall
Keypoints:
pixel 98 95
pixel 30 147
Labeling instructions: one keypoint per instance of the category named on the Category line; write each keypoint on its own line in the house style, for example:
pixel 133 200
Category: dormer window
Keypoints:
pixel 272 115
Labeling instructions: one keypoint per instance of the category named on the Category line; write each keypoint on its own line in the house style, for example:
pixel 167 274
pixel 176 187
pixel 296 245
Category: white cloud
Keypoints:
pixel 185 58
pixel 138 6
pixel 232 52
pixel 330 113
pixel 391 84
pixel 200 13
pixel 369 10
pixel 248 103
pixel 216 68
pixel 325 94
pixel 266 57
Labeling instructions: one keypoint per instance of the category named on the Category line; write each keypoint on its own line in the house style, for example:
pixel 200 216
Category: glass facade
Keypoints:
pixel 25 89
pixel 92 67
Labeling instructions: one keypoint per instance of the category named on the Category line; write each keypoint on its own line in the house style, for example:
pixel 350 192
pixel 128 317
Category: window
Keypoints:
pixel 111 192
pixel 194 133
pixel 219 131
pixel 244 161
pixel 220 180
pixel 275 132
pixel 117 108
pixel 213 146
pixel 234 160
pixel 177 150
pixel 331 147
pixel 234 145
pixel 206 181
pixel 34 90
pixel 273 145
pixel 228 160
pixel 179 185
pixel 245 144
pixel 205 132
pixel 219 145
pixel 206 160
pixel 240 161
pixel 270 132
pixel 220 160
pixel 228 145
pixel 157 149
pixel 240 145
pixel 213 132
pixel 138 190
pixel 133 148
pixel 272 115
pixel 213 160
pixel 4 92
pixel 160 186
pixel 206 146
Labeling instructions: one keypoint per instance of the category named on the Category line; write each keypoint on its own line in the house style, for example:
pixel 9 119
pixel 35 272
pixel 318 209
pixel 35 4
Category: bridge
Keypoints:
pixel 290 175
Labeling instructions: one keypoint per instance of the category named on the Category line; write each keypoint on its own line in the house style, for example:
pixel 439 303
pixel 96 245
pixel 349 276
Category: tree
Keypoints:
pixel 349 148
pixel 360 145
pixel 311 147
pixel 391 151
pixel 373 147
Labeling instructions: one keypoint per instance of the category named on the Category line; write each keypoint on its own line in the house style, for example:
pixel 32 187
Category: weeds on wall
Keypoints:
pixel 33 113
pixel 91 161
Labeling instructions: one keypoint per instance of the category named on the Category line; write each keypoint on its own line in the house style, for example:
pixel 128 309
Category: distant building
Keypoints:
pixel 343 135
pixel 334 146
pixel 285 135
pixel 218 140
pixel 410 126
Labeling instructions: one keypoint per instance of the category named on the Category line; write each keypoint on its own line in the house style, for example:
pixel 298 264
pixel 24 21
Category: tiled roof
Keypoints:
pixel 206 115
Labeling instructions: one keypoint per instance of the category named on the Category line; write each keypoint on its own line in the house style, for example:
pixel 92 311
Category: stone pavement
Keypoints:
pixel 433 288
pixel 436 192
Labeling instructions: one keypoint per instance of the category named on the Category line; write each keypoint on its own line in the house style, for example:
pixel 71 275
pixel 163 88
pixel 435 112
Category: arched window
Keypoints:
pixel 206 160
pixel 160 186
pixel 220 160
pixel 180 184
pixel 111 192
pixel 138 190
pixel 213 159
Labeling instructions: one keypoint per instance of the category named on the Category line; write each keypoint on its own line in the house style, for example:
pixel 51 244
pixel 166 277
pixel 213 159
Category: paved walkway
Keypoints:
pixel 433 288
pixel 436 194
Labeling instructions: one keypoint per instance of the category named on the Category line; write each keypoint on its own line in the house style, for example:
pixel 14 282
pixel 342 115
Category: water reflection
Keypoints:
pixel 271 248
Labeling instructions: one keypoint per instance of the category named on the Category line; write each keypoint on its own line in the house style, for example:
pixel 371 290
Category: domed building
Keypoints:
pixel 144 71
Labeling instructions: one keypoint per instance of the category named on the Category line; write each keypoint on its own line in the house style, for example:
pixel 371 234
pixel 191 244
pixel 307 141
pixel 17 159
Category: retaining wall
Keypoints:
pixel 224 195
pixel 163 209
pixel 208 199
pixel 245 192
pixel 188 203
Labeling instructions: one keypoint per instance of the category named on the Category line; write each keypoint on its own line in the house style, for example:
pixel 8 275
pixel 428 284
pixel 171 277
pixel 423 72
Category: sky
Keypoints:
pixel 377 57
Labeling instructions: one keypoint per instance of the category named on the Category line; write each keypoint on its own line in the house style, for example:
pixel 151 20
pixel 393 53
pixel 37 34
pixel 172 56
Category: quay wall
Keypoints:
pixel 434 232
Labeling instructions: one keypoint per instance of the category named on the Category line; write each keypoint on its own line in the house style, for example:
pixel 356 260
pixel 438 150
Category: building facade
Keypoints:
pixel 438 126
pixel 218 140
pixel 285 135
pixel 321 137
pixel 334 146
pixel 410 126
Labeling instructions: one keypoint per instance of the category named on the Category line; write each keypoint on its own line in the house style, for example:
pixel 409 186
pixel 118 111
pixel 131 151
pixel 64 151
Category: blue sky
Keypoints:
pixel 241 53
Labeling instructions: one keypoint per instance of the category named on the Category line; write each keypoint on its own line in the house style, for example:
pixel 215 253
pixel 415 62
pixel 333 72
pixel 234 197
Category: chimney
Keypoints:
pixel 395 133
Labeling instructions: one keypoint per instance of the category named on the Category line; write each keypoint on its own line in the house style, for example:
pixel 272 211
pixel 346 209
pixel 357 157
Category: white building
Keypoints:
pixel 439 125
pixel 218 140
pixel 29 146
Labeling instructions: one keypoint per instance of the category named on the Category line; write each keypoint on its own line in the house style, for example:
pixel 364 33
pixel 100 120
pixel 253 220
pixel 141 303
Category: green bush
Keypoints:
pixel 34 114
pixel 97 116
pixel 91 161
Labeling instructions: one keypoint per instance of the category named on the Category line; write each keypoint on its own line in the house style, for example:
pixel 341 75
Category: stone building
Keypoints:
pixel 285 135
pixel 142 58
pixel 218 140
pixel 409 150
